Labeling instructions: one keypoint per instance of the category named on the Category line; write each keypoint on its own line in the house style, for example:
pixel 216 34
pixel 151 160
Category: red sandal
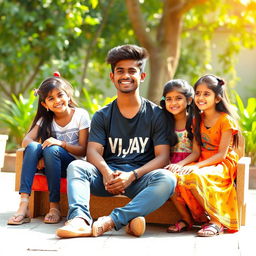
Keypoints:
pixel 178 228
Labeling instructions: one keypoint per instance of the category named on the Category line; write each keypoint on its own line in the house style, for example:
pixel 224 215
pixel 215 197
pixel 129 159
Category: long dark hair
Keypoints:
pixel 45 129
pixel 217 85
pixel 183 87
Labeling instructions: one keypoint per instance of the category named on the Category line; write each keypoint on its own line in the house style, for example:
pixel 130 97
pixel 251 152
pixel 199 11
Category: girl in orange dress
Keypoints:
pixel 208 185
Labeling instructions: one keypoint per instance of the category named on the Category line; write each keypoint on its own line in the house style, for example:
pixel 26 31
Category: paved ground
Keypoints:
pixel 37 238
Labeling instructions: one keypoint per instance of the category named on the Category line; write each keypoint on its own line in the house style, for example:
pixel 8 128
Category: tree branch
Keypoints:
pixel 138 24
pixel 32 77
pixel 189 5
pixel 171 9
pixel 93 42
pixel 4 90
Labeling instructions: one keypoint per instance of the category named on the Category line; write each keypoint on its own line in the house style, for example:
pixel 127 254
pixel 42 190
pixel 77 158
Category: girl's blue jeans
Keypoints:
pixel 148 193
pixel 56 161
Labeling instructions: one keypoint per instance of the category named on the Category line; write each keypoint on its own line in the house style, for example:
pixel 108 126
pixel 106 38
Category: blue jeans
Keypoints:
pixel 148 193
pixel 56 161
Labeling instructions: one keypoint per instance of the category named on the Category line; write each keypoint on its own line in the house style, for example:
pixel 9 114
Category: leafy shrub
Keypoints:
pixel 16 116
pixel 92 103
pixel 247 122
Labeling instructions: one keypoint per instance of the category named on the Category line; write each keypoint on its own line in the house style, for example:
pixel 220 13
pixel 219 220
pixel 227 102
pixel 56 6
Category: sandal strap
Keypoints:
pixel 208 227
pixel 56 210
pixel 186 226
pixel 53 212
pixel 24 199
pixel 20 215
pixel 185 222
pixel 177 226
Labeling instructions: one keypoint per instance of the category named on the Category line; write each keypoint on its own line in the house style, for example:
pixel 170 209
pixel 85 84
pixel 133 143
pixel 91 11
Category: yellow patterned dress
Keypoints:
pixel 213 185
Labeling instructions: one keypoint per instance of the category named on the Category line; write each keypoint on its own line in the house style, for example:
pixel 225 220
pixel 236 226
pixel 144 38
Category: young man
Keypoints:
pixel 127 147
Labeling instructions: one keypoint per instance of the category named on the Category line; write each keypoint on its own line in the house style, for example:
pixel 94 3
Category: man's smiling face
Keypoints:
pixel 127 76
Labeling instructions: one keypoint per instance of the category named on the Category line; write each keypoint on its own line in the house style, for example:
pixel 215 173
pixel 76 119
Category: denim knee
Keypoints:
pixel 33 146
pixel 78 169
pixel 51 151
pixel 168 181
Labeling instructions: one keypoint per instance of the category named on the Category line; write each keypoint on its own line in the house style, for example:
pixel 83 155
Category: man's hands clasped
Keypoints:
pixel 116 182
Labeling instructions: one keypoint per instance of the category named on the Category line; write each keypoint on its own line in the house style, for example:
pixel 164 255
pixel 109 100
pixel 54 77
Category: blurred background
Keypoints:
pixel 185 38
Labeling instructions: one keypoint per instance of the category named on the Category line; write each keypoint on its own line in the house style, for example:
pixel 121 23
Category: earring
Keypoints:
pixel 47 109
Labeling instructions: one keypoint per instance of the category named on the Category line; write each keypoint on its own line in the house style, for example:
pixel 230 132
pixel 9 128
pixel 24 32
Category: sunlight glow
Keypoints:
pixel 246 2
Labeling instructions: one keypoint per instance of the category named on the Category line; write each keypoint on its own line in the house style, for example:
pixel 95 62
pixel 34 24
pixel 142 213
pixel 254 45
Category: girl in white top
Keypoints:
pixel 58 136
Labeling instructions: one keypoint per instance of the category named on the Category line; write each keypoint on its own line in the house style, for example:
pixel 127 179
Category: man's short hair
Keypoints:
pixel 127 52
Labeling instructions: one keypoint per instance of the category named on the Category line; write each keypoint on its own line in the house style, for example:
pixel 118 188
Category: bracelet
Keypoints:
pixel 135 174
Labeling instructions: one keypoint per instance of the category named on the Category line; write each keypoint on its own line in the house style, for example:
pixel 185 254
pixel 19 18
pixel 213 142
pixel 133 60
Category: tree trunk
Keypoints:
pixel 164 58
pixel 157 74
pixel 165 49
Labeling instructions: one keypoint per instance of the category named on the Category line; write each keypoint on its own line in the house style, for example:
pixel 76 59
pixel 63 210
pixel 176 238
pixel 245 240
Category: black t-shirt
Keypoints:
pixel 129 141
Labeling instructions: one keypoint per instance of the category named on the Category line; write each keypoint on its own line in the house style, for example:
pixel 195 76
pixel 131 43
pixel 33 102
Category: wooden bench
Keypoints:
pixel 100 206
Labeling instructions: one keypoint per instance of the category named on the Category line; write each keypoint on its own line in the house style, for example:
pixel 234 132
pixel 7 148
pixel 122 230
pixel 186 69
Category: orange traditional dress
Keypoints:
pixel 214 184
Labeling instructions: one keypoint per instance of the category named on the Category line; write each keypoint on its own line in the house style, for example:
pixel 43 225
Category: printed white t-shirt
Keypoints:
pixel 70 132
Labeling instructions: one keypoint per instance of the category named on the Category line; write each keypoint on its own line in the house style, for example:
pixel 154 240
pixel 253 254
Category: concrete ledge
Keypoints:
pixel 9 162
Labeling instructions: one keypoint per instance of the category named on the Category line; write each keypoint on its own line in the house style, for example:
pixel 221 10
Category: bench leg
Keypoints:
pixel 38 203
pixel 32 205
pixel 243 215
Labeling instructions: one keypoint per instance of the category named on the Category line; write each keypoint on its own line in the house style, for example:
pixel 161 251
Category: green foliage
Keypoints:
pixel 39 37
pixel 17 116
pixel 69 69
pixel 34 33
pixel 234 23
pixel 247 122
pixel 92 103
